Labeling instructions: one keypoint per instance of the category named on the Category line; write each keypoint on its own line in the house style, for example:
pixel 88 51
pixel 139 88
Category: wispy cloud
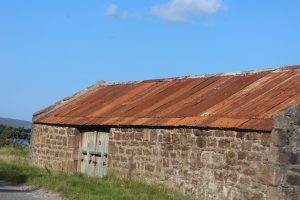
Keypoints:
pixel 113 12
pixel 183 10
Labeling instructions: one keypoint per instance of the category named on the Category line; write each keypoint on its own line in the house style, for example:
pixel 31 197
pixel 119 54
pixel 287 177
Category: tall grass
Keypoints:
pixel 18 152
pixel 78 186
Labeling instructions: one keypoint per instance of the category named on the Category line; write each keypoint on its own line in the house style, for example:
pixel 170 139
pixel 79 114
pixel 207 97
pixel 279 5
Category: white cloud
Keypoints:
pixel 112 11
pixel 183 10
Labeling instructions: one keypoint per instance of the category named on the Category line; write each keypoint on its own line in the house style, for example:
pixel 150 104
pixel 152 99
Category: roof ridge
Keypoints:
pixel 273 69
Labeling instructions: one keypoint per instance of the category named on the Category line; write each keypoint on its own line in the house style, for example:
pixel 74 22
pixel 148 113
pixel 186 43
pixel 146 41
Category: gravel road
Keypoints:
pixel 22 192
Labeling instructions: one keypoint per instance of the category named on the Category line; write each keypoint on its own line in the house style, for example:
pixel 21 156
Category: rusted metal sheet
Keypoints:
pixel 243 101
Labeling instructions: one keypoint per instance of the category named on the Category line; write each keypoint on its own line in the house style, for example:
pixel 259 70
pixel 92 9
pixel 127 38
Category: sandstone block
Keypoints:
pixel 65 141
pixel 211 142
pixel 279 137
pixel 231 134
pixel 295 140
pixel 63 132
pixel 279 155
pixel 219 133
pixel 166 163
pixel 166 137
pixel 266 139
pixel 291 193
pixel 251 195
pixel 246 145
pixel 45 130
pixel 72 166
pixel 149 167
pixel 138 136
pixel 281 122
pixel 293 179
pixel 224 143
pixel 71 141
pixel 294 158
pixel 270 175
pixel 250 171
pixel 201 143
pixel 153 136
pixel 244 180
pixel 111 147
pixel 231 158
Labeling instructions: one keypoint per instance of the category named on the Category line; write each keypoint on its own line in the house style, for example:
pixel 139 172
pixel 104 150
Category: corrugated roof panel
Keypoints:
pixel 248 100
pixel 177 90
pixel 207 86
pixel 243 97
pixel 279 93
pixel 244 101
pixel 105 98
pixel 218 94
pixel 116 103
pixel 139 106
pixel 135 101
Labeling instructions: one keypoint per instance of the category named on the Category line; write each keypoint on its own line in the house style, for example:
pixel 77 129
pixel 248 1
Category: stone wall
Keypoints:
pixel 283 171
pixel 208 164
pixel 54 148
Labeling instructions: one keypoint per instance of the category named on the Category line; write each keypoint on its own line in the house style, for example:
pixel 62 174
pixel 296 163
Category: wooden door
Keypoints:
pixel 94 151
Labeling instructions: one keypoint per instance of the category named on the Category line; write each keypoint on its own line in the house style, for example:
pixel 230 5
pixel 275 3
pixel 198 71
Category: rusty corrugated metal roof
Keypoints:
pixel 242 101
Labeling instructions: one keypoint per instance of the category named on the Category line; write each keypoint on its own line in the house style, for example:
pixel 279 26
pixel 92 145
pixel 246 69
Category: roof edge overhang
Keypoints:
pixel 160 127
pixel 196 122
pixel 265 125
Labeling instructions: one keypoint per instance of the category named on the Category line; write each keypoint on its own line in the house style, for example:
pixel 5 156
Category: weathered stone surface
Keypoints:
pixel 293 179
pixel 293 111
pixel 285 154
pixel 281 122
pixel 274 193
pixel 279 155
pixel 54 148
pixel 270 174
pixel 207 164
pixel 279 137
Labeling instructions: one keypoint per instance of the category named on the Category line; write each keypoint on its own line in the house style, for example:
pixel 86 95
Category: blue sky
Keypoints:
pixel 51 49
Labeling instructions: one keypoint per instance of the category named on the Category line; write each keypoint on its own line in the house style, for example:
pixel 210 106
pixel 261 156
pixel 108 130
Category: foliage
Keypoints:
pixel 11 135
pixel 79 186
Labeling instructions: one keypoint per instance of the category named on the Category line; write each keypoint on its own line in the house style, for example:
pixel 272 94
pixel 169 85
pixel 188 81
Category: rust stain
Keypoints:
pixel 244 101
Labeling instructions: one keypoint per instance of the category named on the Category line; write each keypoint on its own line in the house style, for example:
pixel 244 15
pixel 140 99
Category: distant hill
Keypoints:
pixel 15 123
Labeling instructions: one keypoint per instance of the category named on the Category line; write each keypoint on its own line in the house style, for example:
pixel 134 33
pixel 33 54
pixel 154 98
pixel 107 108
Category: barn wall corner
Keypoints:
pixel 54 147
pixel 282 174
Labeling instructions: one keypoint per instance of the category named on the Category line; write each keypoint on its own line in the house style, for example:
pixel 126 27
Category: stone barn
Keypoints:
pixel 216 137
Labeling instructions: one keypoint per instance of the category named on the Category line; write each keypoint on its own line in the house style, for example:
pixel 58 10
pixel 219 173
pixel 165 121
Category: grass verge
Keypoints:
pixel 78 187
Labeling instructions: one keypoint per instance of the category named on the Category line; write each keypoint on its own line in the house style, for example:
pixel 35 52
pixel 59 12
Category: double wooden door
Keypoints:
pixel 94 153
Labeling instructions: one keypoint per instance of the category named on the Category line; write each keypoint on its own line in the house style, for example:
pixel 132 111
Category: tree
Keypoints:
pixel 11 135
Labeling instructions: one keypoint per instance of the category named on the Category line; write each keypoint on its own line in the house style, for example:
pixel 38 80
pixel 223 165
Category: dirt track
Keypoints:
pixel 22 192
